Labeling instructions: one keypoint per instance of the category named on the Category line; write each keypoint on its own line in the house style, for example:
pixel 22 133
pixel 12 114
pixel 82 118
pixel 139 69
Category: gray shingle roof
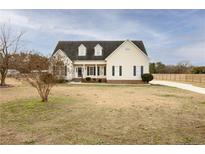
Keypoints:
pixel 71 48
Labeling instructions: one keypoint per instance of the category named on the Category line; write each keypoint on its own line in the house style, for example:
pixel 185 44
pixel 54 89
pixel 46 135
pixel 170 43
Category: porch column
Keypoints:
pixel 96 70
pixel 75 71
pixel 84 71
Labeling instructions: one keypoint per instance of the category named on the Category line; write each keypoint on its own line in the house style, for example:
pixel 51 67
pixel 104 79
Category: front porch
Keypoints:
pixel 94 71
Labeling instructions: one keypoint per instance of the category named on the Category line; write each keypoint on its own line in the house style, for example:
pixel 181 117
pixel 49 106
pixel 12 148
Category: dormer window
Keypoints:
pixel 81 50
pixel 98 50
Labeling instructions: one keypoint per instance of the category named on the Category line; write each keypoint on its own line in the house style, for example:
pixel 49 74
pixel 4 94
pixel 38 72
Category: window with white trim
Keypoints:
pixel 91 70
pixel 98 50
pixel 81 50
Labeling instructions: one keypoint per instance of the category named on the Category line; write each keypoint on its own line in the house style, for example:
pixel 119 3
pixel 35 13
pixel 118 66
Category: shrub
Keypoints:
pixel 60 81
pixel 147 77
pixel 88 79
pixel 43 82
pixel 99 80
pixel 94 79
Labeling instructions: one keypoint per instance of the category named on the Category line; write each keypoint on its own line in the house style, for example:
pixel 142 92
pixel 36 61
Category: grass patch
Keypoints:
pixel 103 114
pixel 168 95
pixel 203 103
pixel 33 105
pixel 29 111
pixel 30 142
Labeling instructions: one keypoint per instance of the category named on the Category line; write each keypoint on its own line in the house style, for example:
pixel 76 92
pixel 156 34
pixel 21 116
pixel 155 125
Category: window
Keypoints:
pixel 98 50
pixel 101 70
pixel 113 70
pixel 120 71
pixel 142 70
pixel 81 50
pixel 91 70
pixel 134 70
pixel 65 70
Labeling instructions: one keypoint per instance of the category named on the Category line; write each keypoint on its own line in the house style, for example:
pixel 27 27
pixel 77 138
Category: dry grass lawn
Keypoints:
pixel 98 114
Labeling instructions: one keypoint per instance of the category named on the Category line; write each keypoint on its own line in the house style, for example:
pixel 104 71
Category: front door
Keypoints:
pixel 80 73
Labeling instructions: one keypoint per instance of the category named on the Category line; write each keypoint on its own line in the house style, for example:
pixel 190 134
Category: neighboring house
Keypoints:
pixel 112 61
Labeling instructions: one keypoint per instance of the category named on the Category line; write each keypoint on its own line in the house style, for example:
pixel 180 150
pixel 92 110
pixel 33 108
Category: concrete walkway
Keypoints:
pixel 179 85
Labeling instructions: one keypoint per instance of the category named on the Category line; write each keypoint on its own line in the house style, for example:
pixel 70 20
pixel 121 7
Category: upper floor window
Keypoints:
pixel 98 50
pixel 81 50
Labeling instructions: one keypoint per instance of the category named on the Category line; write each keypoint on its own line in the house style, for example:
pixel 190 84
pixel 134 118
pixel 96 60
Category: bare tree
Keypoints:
pixel 42 80
pixel 9 44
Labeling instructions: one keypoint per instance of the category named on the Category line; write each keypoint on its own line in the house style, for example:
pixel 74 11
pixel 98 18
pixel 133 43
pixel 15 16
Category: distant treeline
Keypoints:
pixel 180 68
pixel 24 62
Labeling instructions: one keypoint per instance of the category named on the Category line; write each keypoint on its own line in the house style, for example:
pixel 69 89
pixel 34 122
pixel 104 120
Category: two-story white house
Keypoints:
pixel 111 61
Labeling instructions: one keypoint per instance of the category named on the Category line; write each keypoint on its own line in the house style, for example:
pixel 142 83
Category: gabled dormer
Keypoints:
pixel 81 50
pixel 98 50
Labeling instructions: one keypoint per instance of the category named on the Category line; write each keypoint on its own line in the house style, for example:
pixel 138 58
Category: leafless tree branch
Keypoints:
pixel 9 44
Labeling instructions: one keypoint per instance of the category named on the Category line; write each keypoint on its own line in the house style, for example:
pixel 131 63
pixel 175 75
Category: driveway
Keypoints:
pixel 179 85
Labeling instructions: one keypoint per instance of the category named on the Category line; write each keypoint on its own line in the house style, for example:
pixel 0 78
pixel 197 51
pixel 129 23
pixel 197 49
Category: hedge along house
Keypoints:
pixel 111 61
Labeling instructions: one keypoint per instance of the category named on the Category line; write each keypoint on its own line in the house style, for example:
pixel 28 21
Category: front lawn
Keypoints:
pixel 89 114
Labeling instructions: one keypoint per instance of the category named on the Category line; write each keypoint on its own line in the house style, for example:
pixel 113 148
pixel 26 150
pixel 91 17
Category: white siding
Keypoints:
pixel 67 62
pixel 127 56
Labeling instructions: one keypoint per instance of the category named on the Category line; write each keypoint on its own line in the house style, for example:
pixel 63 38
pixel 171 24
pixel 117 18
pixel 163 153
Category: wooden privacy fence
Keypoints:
pixel 199 78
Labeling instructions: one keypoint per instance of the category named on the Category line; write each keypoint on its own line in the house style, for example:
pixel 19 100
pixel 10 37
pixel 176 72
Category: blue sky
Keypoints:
pixel 170 36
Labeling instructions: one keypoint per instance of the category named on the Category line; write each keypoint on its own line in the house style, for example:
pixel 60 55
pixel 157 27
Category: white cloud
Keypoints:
pixel 193 52
pixel 113 27
pixel 12 18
